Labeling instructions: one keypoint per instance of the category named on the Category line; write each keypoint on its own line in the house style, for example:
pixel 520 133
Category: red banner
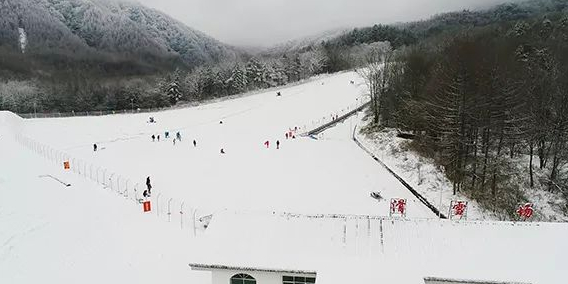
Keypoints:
pixel 147 206
pixel 398 207
pixel 525 211
pixel 458 209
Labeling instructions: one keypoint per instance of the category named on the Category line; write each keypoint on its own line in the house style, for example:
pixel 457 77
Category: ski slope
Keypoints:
pixel 51 233
pixel 305 175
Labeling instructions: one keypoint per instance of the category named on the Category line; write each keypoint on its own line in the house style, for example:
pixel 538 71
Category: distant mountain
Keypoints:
pixel 103 31
pixel 402 34
pixel 305 42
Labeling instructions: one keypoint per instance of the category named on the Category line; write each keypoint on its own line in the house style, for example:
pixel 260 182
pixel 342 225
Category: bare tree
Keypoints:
pixel 376 72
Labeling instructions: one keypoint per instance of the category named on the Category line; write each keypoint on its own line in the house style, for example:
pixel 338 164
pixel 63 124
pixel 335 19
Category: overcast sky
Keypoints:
pixel 268 22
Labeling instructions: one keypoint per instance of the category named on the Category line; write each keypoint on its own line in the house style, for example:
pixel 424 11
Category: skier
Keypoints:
pixel 94 147
pixel 153 138
pixel 277 144
pixel 158 138
pixel 278 94
pixel 174 141
pixel 149 185
pixel 178 136
pixel 286 135
pixel 167 134
pixel 267 144
pixel 222 151
pixel 194 143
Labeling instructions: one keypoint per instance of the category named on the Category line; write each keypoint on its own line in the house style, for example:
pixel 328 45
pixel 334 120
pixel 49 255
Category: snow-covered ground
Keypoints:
pixel 79 234
pixel 87 233
pixel 305 175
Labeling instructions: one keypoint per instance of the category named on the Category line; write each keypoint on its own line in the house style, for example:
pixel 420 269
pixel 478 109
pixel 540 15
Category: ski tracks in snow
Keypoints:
pixel 9 244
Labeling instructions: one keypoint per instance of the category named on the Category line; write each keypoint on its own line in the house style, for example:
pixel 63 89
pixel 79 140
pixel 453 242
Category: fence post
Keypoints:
pixel 97 173
pixel 104 177
pixel 158 204
pixel 170 210
pixel 194 225
pixel 110 180
pixel 136 191
pixel 118 183
pixel 181 214
pixel 126 190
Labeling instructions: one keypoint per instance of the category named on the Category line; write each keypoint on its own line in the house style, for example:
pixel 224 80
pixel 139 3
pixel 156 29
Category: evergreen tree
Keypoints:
pixel 237 83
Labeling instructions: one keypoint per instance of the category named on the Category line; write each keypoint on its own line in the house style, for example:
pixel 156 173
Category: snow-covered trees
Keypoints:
pixel 376 72
pixel 479 100
pixel 238 81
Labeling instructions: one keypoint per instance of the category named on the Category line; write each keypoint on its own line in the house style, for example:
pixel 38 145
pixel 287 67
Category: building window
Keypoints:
pixel 298 280
pixel 242 279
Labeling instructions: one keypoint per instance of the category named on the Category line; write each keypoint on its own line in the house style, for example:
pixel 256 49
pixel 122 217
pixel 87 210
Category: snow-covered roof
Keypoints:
pixel 201 266
pixel 380 249
pixel 465 281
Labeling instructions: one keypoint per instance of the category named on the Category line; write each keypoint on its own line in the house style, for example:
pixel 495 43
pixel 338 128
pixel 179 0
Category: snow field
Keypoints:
pixel 82 233
pixel 305 175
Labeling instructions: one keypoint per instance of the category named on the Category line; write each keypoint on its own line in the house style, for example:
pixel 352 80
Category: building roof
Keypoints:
pixel 199 266
pixel 453 281
pixel 378 249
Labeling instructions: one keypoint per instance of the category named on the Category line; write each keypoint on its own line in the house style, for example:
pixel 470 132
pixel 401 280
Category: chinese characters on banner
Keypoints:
pixel 398 207
pixel 458 209
pixel 525 211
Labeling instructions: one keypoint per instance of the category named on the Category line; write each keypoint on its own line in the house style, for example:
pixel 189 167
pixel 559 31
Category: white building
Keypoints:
pixel 248 275
pixel 363 249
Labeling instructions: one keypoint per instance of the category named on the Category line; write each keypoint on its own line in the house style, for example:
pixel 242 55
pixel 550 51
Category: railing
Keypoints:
pixel 400 179
pixel 164 207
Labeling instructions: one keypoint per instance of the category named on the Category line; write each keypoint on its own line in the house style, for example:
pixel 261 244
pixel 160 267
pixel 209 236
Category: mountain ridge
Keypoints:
pixel 79 29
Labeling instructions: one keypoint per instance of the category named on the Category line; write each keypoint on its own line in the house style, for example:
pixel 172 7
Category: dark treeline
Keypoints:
pixel 411 33
pixel 481 98
pixel 88 85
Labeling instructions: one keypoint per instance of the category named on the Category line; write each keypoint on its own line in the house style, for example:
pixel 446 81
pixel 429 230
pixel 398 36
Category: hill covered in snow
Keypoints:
pixel 62 32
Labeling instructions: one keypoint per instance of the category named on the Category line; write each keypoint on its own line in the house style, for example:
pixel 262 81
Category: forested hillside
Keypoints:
pixel 489 104
pixel 88 54
pixel 104 31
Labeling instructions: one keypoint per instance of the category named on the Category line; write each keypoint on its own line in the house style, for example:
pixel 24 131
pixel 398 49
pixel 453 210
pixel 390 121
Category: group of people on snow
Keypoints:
pixel 167 136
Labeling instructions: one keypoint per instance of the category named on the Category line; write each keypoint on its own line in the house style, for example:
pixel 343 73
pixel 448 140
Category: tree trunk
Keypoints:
pixel 494 181
pixel 531 148
pixel 486 158
pixel 474 167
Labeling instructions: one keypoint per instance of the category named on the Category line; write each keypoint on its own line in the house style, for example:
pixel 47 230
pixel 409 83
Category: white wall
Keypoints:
pixel 224 276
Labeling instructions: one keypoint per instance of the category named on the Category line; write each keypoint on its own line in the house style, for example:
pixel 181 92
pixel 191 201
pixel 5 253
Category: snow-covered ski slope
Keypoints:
pixel 305 175
pixel 50 233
